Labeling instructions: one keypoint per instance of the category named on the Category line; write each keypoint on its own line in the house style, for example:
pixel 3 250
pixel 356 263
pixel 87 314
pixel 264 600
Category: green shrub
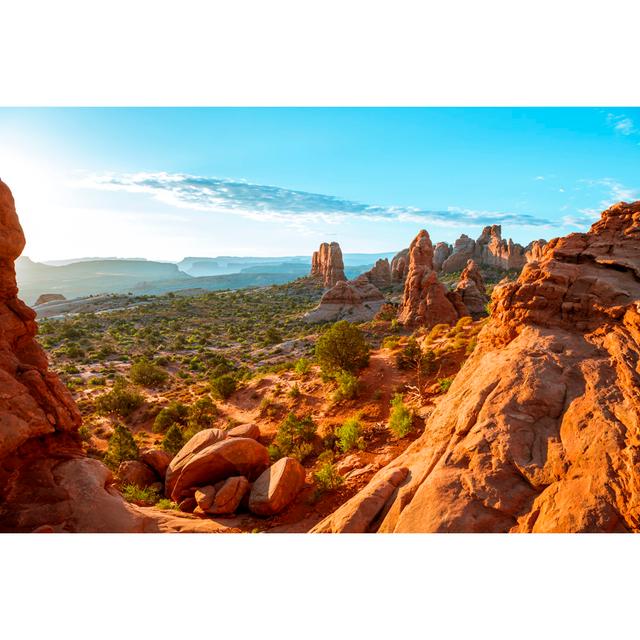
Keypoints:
pixel 295 392
pixel 348 386
pixel 293 433
pixel 343 346
pixel 390 342
pixel 165 503
pixel 121 400
pixel 133 493
pixel 327 478
pixel 173 440
pixel 223 386
pixel 146 373
pixel 84 432
pixel 302 366
pixel 122 446
pixel 444 384
pixel 400 418
pixel 201 414
pixel 173 412
pixel 349 435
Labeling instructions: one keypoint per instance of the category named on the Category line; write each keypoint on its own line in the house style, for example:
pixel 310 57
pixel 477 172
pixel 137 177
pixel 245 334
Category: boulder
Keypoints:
pixel 204 496
pixel 136 473
pixel 157 459
pixel 230 457
pixel 229 494
pixel 250 430
pixel 327 265
pixel 197 443
pixel 277 487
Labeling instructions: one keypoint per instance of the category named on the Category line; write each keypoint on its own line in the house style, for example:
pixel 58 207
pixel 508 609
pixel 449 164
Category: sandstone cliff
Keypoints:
pixel 488 250
pixel 327 265
pixel 380 274
pixel 472 289
pixel 399 266
pixel 46 483
pixel 540 429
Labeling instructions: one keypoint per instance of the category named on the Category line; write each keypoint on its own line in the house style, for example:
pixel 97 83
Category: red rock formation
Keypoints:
pixel 380 274
pixel 424 301
pixel 440 253
pixel 488 250
pixel 399 266
pixel 46 483
pixel 327 265
pixel 357 301
pixel 534 250
pixel 472 289
pixel 539 430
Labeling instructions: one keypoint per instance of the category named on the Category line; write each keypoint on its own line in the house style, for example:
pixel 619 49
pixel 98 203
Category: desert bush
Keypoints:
pixel 390 342
pixel 295 392
pixel 349 435
pixel 343 346
pixel 84 432
pixel 146 496
pixel 444 384
pixel 400 418
pixel 348 386
pixel 327 478
pixel 293 433
pixel 173 440
pixel 122 446
pixel 302 366
pixel 223 386
pixel 121 400
pixel 146 373
pixel 201 414
pixel 173 412
pixel 166 504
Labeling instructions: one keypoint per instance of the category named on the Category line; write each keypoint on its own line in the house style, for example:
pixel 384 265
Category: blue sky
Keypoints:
pixel 167 183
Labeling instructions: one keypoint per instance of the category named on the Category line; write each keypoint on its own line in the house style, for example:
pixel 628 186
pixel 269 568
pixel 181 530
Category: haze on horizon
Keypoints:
pixel 168 183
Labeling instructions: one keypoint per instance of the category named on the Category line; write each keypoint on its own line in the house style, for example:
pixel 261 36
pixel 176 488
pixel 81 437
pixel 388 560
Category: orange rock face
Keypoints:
pixel 327 265
pixel 539 430
pixel 425 300
pixel 46 482
pixel 472 289
pixel 380 274
pixel 399 266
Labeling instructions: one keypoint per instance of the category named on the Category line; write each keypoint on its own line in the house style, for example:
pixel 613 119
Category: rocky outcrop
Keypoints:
pixel 463 251
pixel 425 300
pixel 249 430
pixel 440 253
pixel 46 482
pixel 472 289
pixel 224 497
pixel 399 266
pixel 219 461
pixel 380 274
pixel 136 473
pixel 534 250
pixel 357 301
pixel 539 430
pixel 327 265
pixel 277 487
pixel 49 297
pixel 488 250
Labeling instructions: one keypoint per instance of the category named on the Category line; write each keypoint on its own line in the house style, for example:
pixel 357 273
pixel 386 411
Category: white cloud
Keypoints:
pixel 622 124
pixel 616 191
pixel 265 203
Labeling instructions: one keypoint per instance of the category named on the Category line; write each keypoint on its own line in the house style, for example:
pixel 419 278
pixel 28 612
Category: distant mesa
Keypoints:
pixel 49 297
pixel 327 265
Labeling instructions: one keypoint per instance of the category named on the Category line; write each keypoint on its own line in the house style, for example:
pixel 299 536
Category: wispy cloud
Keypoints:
pixel 291 207
pixel 622 124
pixel 615 190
